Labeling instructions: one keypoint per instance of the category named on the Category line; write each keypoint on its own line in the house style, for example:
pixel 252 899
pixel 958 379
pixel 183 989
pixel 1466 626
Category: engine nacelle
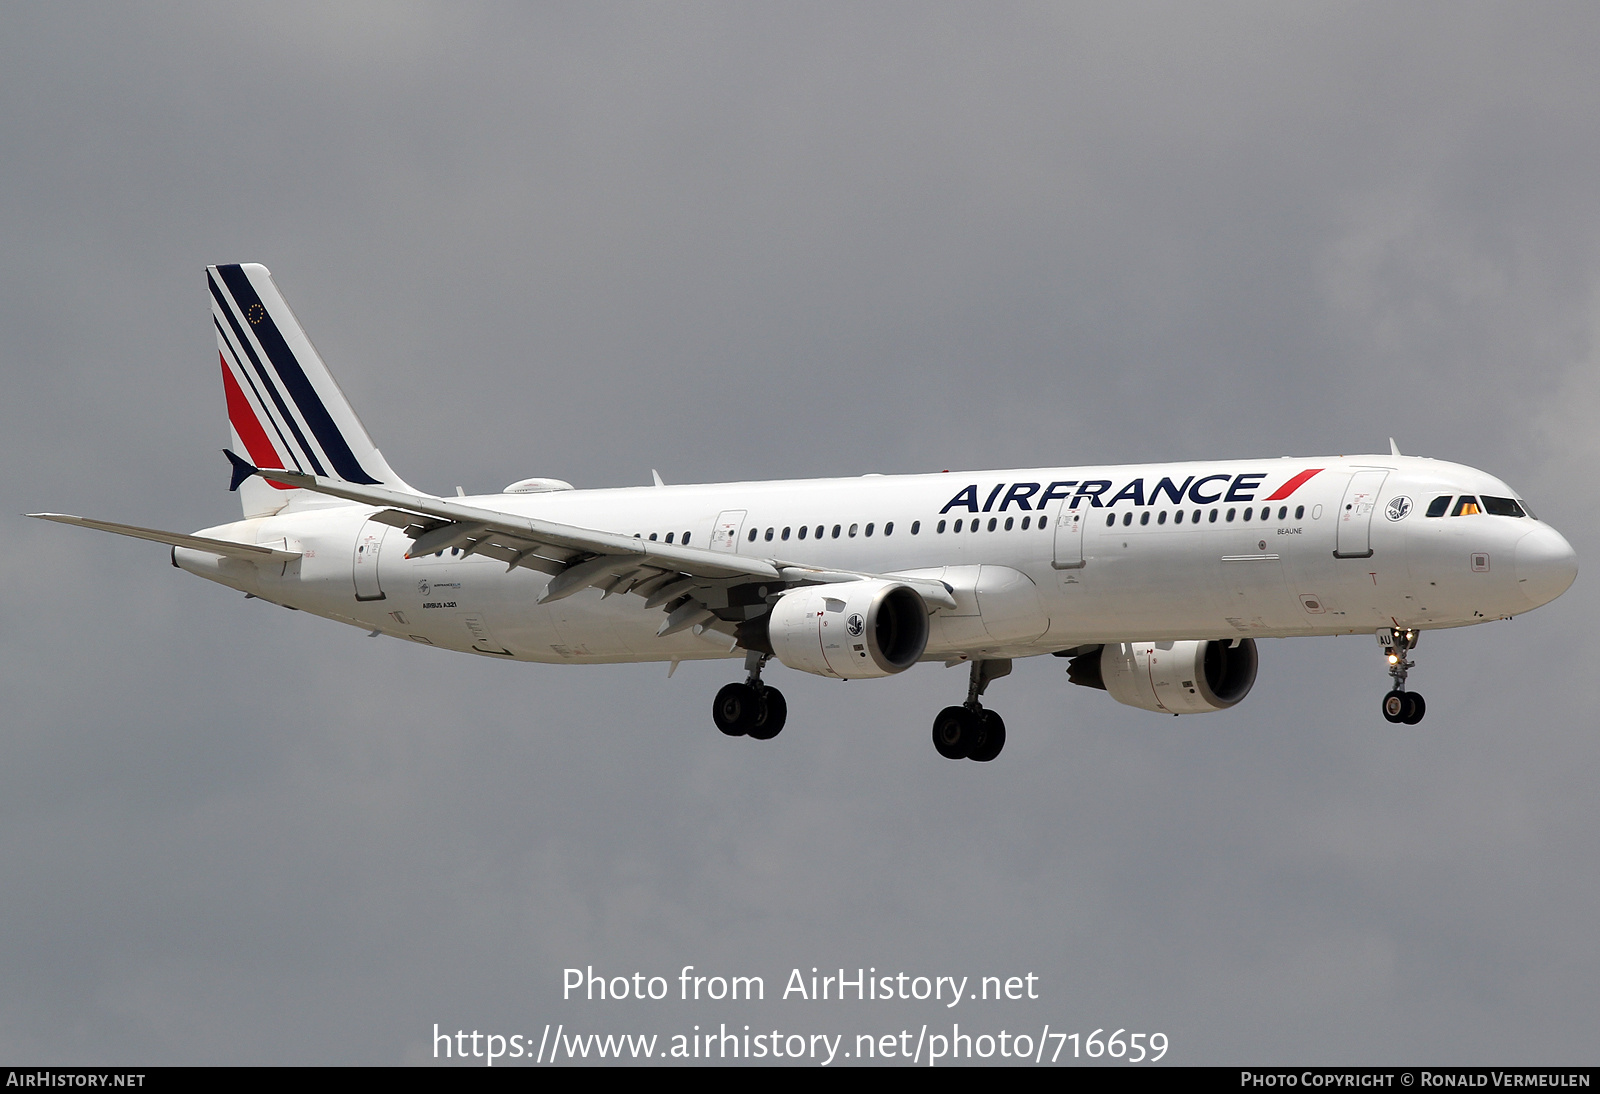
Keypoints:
pixel 850 630
pixel 1179 677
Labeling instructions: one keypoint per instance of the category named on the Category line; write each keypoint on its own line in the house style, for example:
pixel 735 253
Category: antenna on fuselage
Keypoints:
pixel 654 474
pixel 1394 449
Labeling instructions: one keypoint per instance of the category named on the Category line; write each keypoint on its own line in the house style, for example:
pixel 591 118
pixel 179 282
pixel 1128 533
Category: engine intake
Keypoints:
pixel 850 630
pixel 1173 677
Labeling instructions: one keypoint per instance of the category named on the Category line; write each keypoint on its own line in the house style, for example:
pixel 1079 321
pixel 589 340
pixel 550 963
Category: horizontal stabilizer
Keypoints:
pixel 249 551
pixel 242 469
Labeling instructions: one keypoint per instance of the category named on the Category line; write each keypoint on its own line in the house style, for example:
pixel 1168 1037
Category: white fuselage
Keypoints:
pixel 1045 559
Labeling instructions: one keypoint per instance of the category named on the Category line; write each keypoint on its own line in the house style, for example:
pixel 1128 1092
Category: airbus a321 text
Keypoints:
pixel 1154 581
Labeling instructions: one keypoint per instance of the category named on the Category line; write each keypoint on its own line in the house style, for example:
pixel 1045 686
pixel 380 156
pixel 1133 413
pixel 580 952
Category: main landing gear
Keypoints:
pixel 750 709
pixel 969 732
pixel 1401 705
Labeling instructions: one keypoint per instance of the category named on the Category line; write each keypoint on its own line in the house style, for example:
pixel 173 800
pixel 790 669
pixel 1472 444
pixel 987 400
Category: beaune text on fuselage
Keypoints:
pixel 1153 581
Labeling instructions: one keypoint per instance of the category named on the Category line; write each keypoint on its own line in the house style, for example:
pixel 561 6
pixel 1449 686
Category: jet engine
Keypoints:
pixel 1170 677
pixel 850 630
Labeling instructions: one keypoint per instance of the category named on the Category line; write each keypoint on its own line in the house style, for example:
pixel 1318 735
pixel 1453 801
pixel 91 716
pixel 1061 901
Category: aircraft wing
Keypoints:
pixel 249 551
pixel 692 583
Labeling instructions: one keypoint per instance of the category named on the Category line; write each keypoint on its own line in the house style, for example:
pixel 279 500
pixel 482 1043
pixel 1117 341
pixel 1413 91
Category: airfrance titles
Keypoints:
pixel 1197 490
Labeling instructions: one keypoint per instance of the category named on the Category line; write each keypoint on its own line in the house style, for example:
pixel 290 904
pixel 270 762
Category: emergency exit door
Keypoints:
pixel 369 543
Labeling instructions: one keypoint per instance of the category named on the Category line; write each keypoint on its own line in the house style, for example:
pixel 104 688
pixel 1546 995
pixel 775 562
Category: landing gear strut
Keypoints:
pixel 969 732
pixel 752 708
pixel 1401 705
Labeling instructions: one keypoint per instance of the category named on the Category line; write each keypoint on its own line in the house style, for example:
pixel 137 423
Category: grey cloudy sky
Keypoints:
pixel 765 241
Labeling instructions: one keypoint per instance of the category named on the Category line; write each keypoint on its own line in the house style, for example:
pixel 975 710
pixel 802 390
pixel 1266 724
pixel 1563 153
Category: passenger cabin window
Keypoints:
pixel 1502 507
pixel 669 536
pixel 1466 507
pixel 752 535
pixel 888 529
pixel 785 536
pixel 803 530
pixel 686 539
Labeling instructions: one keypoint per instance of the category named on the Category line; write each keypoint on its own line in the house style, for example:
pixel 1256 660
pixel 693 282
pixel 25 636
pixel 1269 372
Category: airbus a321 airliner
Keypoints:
pixel 1153 581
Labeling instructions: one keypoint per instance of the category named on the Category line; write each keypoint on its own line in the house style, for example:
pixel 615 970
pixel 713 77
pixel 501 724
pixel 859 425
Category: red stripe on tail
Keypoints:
pixel 1292 485
pixel 248 426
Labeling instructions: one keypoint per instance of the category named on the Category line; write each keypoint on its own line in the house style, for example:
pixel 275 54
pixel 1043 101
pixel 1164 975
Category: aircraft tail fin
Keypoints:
pixel 285 410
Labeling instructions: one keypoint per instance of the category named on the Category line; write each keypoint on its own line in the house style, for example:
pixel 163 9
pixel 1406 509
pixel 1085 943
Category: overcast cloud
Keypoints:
pixel 769 241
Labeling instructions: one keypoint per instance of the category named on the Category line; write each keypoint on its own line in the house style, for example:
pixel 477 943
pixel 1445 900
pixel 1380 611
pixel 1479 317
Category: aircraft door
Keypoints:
pixel 725 535
pixel 1069 538
pixel 364 569
pixel 1354 538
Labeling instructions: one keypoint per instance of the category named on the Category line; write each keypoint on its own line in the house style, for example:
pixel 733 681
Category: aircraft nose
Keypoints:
pixel 1546 564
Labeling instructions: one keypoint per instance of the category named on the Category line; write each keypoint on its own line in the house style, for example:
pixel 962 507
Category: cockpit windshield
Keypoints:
pixel 1467 506
pixel 1502 507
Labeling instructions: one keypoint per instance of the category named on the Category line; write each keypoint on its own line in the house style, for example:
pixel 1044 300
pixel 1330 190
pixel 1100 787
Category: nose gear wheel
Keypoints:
pixel 1399 705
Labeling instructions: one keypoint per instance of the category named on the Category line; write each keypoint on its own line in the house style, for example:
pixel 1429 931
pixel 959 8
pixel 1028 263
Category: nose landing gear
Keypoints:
pixel 752 708
pixel 1401 705
pixel 969 731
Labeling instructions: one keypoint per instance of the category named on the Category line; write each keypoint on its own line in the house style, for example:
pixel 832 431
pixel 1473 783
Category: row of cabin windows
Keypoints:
pixel 1177 517
pixel 1467 505
pixel 994 524
pixel 821 531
